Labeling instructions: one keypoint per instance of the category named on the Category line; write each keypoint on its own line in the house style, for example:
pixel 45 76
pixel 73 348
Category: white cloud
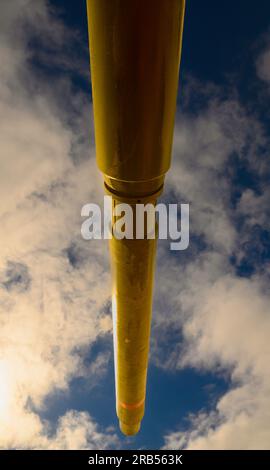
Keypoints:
pixel 226 327
pixel 51 309
pixel 203 145
pixel 224 320
pixel 77 431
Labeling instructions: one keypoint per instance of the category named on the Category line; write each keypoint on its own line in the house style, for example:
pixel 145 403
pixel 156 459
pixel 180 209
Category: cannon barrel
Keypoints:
pixel 135 48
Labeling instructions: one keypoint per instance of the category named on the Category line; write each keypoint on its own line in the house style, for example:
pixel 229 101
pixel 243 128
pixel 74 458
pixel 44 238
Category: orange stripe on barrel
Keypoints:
pixel 131 406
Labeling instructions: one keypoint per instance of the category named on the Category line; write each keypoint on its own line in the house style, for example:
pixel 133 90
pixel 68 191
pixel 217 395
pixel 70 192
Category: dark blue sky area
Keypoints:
pixel 169 396
pixel 218 35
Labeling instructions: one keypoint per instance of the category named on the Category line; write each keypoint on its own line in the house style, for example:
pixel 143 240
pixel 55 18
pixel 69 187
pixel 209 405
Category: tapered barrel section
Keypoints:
pixel 135 50
pixel 133 264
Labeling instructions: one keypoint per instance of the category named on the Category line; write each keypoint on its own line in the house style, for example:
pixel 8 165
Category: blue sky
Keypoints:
pixel 208 381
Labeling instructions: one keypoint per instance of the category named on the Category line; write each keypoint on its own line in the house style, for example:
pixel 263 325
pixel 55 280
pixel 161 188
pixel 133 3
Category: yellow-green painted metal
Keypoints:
pixel 133 263
pixel 135 50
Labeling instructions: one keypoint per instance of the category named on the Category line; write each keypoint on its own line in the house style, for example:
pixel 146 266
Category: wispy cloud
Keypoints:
pixel 220 309
pixel 53 286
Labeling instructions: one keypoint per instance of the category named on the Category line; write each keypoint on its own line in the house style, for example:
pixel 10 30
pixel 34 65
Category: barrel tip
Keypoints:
pixel 129 429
